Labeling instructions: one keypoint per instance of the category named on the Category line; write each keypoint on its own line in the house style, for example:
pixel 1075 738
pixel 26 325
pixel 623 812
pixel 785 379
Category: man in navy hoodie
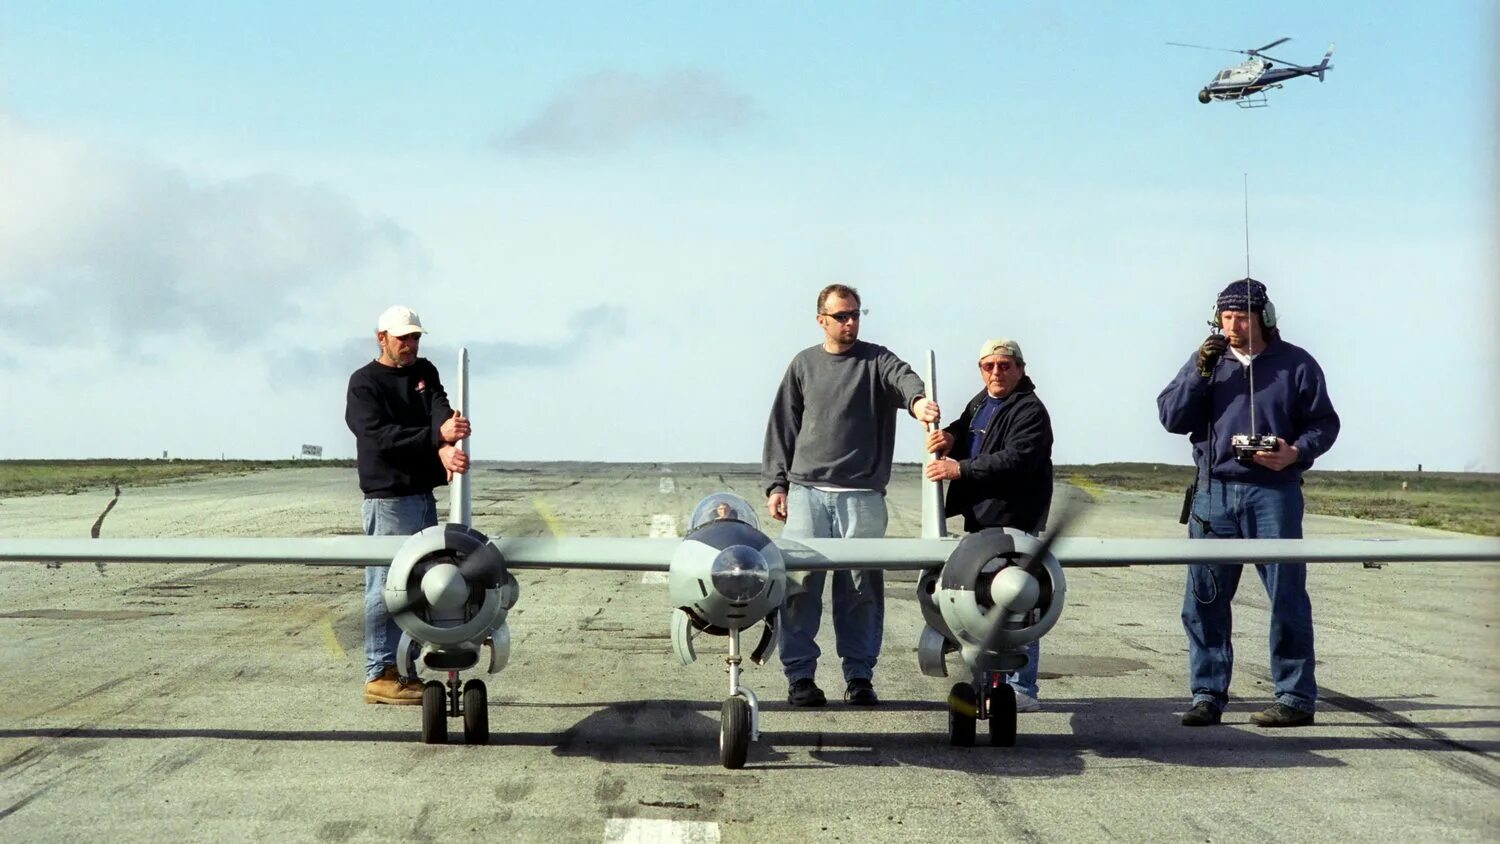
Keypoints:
pixel 1251 495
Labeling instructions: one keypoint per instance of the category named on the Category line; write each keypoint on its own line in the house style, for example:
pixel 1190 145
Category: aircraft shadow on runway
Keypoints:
pixel 686 733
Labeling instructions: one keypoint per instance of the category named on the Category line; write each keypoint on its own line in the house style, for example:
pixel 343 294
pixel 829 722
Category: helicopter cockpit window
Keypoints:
pixel 723 505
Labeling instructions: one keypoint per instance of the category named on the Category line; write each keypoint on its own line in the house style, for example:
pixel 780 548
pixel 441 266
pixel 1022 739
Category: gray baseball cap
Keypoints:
pixel 1001 346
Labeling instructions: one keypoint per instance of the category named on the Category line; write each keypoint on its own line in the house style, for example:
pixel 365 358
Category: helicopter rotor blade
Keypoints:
pixel 1201 47
pixel 1257 50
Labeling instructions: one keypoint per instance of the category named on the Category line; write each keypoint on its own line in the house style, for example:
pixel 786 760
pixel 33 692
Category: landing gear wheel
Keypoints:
pixel 734 732
pixel 963 705
pixel 476 713
pixel 1003 716
pixel 434 713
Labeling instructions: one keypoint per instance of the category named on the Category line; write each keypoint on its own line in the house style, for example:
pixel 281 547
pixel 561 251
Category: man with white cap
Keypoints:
pixel 997 457
pixel 406 434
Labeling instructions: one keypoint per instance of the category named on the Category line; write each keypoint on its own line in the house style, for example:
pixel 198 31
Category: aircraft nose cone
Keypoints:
pixel 1015 590
pixel 740 573
pixel 444 588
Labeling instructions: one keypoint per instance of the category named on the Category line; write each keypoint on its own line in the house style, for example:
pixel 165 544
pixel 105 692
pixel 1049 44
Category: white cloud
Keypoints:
pixel 610 109
pixel 98 247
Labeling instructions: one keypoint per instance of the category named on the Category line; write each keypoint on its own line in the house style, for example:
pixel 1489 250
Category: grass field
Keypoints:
pixel 37 477
pixel 1458 501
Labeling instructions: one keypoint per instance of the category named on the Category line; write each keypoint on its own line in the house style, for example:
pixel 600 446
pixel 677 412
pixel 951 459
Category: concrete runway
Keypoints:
pixel 223 702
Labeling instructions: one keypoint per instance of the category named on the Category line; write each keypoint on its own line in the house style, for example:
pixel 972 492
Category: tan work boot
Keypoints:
pixel 388 689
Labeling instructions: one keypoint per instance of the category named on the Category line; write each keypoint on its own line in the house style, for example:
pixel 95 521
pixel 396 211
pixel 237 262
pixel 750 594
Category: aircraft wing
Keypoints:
pixel 1079 552
pixel 321 551
pixel 641 554
pixel 1083 552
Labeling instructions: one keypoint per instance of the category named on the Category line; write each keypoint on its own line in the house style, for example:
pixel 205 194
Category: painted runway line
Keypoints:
pixel 657 831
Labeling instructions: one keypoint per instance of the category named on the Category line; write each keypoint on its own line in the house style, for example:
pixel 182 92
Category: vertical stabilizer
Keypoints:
pixel 934 526
pixel 458 490
pixel 1324 66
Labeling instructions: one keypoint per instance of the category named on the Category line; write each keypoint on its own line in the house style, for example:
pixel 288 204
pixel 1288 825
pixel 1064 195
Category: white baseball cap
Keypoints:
pixel 399 321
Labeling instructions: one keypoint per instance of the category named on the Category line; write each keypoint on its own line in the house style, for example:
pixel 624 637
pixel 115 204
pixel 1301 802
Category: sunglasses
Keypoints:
pixel 845 316
pixel 997 366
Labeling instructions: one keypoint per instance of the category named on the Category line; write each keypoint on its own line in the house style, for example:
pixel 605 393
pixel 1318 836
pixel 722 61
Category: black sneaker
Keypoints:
pixel 861 692
pixel 1203 714
pixel 805 692
pixel 1280 715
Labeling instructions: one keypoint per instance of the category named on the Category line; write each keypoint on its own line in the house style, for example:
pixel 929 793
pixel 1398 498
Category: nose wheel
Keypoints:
pixel 443 701
pixel 990 699
pixel 739 715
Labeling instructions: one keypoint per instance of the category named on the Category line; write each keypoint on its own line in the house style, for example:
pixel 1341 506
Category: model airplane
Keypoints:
pixel 986 597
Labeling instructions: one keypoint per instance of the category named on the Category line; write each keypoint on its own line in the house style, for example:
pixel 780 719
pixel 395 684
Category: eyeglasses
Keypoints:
pixel 845 316
pixel 997 366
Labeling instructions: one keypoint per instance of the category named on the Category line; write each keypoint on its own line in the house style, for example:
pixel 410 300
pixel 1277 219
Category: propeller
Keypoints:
pixel 1060 527
pixel 1254 52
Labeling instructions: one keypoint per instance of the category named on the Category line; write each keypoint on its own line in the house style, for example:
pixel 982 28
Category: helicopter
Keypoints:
pixel 1246 83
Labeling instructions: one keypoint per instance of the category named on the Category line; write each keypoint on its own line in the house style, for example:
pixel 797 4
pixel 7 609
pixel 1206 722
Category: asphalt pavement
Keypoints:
pixel 223 703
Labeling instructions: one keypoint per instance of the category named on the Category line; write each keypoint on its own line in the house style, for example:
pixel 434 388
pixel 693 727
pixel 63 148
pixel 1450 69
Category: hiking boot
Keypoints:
pixel 861 692
pixel 1027 703
pixel 1202 714
pixel 805 692
pixel 1280 715
pixel 388 688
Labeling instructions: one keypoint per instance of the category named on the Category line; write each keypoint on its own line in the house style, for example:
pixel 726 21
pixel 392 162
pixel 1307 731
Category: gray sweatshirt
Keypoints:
pixel 834 419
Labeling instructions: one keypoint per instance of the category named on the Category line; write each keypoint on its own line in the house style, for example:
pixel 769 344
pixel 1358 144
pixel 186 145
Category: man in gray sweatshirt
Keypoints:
pixel 826 462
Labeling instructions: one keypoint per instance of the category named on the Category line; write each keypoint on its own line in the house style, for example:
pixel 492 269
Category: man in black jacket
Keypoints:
pixel 997 457
pixel 405 436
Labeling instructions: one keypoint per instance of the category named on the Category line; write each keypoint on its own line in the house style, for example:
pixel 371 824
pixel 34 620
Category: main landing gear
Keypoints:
pixel 441 702
pixel 739 718
pixel 987 698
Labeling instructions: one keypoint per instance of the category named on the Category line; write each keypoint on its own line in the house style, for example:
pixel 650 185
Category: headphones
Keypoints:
pixel 1268 316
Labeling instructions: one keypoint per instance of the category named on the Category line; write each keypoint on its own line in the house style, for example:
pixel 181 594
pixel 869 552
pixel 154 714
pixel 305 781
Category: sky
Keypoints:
pixel 625 212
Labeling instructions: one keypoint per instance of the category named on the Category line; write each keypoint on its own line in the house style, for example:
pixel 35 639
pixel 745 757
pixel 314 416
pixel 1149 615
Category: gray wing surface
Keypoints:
pixel 575 553
pixel 1082 552
pixel 321 551
pixel 640 554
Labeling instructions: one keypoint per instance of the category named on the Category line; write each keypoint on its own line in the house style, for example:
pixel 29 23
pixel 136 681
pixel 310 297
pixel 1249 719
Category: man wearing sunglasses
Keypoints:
pixel 827 459
pixel 997 458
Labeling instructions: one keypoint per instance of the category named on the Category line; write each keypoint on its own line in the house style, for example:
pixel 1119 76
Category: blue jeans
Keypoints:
pixel 400 516
pixel 1246 511
pixel 858 603
pixel 1024 681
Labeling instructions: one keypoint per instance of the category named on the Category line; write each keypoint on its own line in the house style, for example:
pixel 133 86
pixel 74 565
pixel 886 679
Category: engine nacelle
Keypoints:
pixel 725 575
pixel 990 578
pixel 448 588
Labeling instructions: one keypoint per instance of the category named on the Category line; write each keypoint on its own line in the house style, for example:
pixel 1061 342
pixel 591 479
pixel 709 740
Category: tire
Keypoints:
pixel 1003 716
pixel 434 713
pixel 734 732
pixel 476 713
pixel 961 702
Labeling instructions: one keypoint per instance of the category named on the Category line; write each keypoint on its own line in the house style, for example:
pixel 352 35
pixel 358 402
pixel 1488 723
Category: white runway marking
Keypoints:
pixel 655 831
pixel 662 525
pixel 668 485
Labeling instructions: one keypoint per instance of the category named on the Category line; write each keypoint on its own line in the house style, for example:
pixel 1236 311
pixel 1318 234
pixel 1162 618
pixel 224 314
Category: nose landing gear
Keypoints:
pixel 443 701
pixel 987 698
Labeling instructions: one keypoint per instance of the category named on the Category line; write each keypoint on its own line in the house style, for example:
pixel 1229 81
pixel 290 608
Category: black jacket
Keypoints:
pixel 1009 482
pixel 396 415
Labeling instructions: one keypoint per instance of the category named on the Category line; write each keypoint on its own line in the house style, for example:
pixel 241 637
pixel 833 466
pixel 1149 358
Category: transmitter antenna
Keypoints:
pixel 1249 367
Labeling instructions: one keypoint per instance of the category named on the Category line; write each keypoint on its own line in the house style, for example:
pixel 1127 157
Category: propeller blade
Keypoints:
pixel 1257 50
pixel 1060 527
pixel 1201 47
pixel 485 567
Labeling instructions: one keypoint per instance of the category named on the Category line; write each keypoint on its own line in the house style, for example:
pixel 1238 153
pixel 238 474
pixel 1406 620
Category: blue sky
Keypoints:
pixel 625 211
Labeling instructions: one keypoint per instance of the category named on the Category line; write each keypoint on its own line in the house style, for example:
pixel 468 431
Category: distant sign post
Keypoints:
pixel 312 451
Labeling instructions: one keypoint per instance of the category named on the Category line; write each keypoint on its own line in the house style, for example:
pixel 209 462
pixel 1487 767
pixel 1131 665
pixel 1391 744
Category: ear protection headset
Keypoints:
pixel 1268 315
